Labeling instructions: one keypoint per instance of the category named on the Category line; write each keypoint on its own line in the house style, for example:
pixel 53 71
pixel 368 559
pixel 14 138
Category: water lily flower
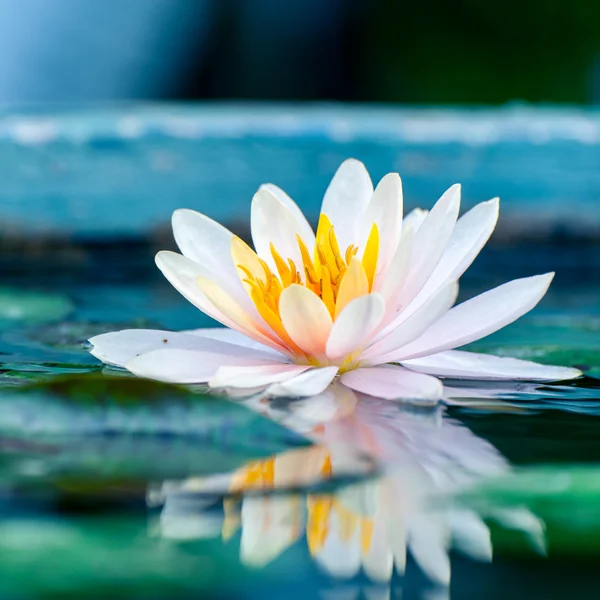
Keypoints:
pixel 367 299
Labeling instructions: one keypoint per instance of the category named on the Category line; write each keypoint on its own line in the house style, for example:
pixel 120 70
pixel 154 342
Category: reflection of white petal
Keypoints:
pixel 378 561
pixel 340 558
pixel 428 540
pixel 269 526
pixel 524 520
pixel 470 535
pixel 189 518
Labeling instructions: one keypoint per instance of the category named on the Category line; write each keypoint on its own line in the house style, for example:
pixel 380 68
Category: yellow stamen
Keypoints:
pixel 285 272
pixel 327 293
pixel 309 266
pixel 336 277
pixel 272 319
pixel 371 255
pixel 244 255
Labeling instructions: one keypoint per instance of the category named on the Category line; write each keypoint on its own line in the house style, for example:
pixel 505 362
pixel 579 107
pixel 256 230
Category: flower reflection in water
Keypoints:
pixel 364 526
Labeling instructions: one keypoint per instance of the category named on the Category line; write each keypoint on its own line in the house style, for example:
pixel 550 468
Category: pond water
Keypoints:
pixel 116 486
pixel 113 486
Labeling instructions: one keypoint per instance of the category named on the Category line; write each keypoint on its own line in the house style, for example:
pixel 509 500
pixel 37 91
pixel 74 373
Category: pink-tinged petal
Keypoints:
pixel 471 233
pixel 272 222
pixel 480 316
pixel 307 232
pixel 428 246
pixel 188 366
pixel 385 210
pixel 305 318
pixel 236 315
pixel 385 349
pixel 208 244
pixel 392 382
pixel 470 365
pixel 309 383
pixel 346 201
pixel 255 376
pixel 355 325
pixel 119 347
pixel 223 334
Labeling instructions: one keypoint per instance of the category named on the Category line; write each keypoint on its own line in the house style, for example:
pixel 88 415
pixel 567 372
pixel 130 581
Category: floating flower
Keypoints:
pixel 367 299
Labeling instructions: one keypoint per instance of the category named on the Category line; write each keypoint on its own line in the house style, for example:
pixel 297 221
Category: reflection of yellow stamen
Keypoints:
pixel 317 522
pixel 366 534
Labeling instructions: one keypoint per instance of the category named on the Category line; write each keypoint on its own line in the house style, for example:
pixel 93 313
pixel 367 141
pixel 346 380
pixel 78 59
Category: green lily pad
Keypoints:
pixel 72 433
pixel 32 306
pixel 564 498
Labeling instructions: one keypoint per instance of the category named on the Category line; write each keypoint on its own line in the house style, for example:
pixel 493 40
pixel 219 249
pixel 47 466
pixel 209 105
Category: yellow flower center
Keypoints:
pixel 336 277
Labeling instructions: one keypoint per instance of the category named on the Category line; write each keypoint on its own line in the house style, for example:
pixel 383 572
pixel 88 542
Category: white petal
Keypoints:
pixel 208 244
pixel 429 243
pixel 480 316
pixel 309 383
pixel 182 274
pixel 385 210
pixel 471 233
pixel 470 365
pixel 355 325
pixel 189 366
pixel 224 334
pixel 393 282
pixel 273 222
pixel 391 382
pixel 385 349
pixel 305 318
pixel 306 230
pixel 119 347
pixel 346 201
pixel 415 218
pixel 255 376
